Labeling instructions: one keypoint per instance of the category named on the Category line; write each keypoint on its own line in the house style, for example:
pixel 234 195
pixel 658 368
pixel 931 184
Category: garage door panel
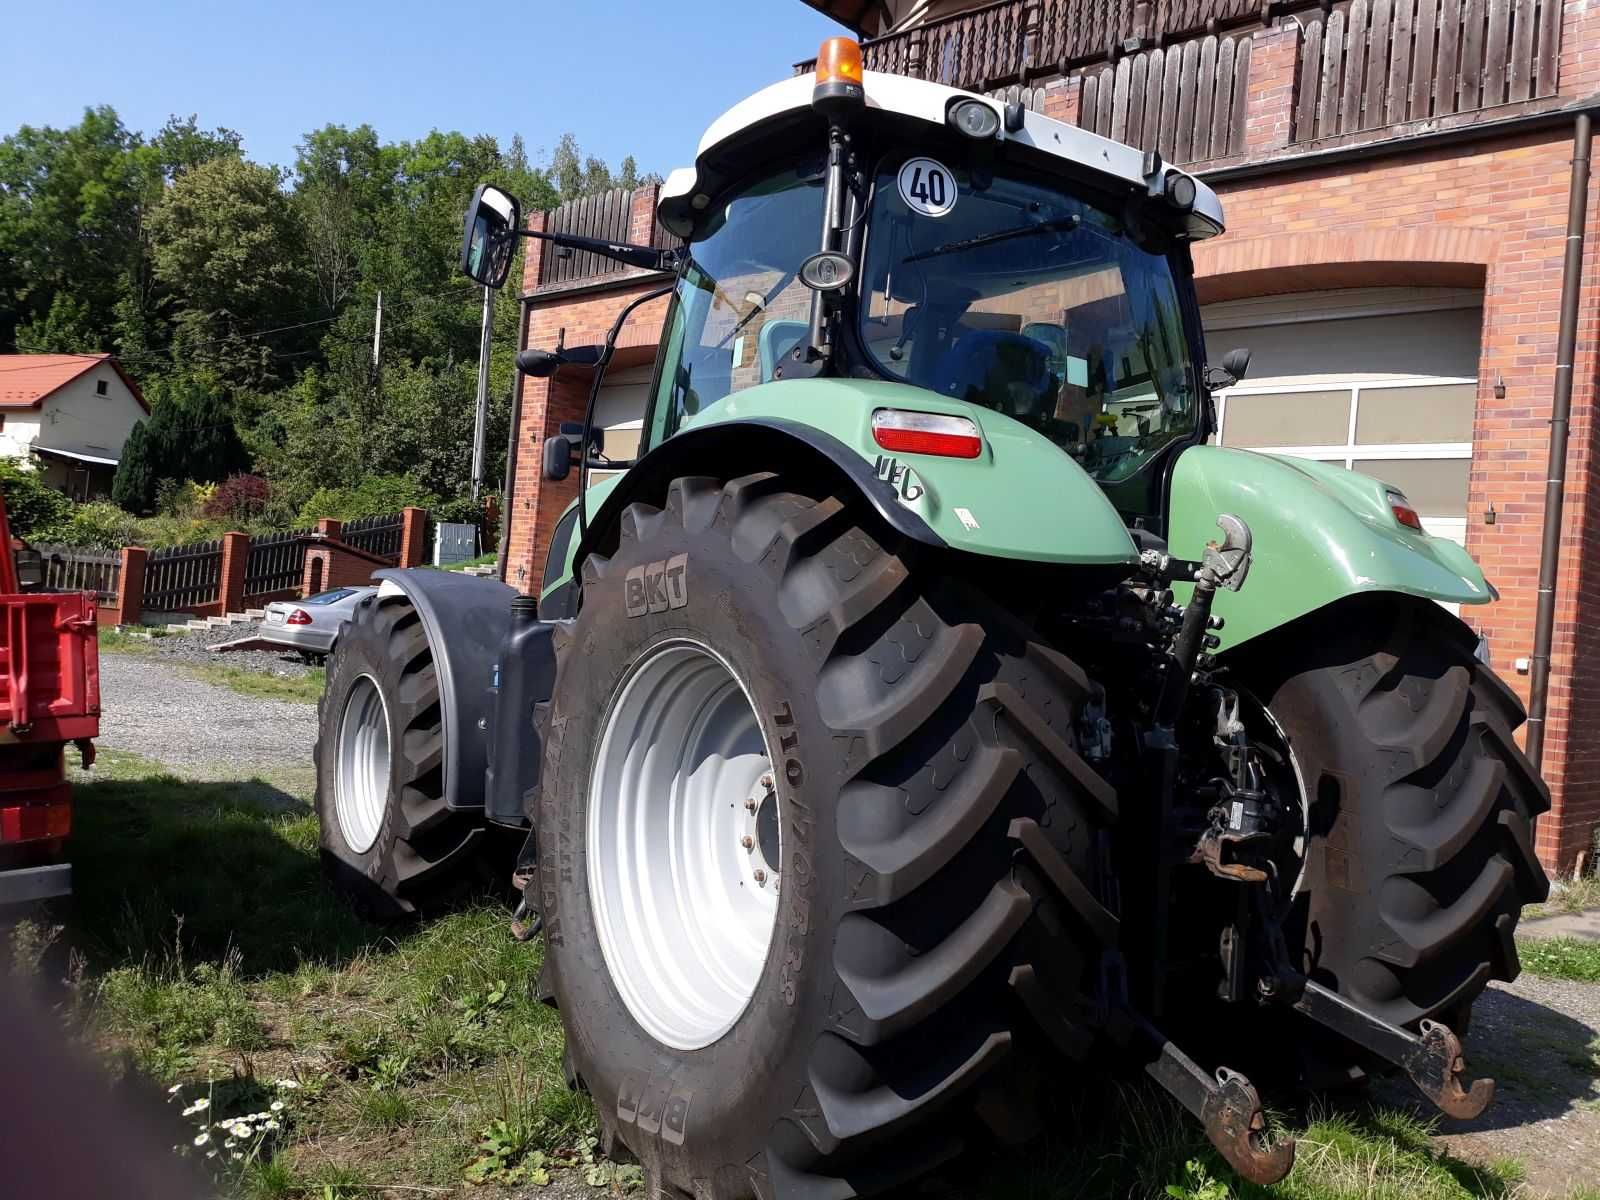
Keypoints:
pixel 1436 487
pixel 1288 418
pixel 1430 413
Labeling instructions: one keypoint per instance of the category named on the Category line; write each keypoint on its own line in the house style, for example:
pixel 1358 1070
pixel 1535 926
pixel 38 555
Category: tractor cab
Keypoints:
pixel 881 228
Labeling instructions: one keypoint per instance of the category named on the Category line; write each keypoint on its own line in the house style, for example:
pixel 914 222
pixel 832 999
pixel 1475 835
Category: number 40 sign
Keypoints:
pixel 927 187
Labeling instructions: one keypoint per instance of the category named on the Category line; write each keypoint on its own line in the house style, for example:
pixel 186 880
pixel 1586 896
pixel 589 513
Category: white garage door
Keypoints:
pixel 1382 381
pixel 619 410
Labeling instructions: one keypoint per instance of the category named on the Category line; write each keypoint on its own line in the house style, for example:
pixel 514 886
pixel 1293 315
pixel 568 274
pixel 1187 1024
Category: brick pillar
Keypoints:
pixel 1061 99
pixel 642 215
pixel 130 585
pixel 1269 107
pixel 235 556
pixel 329 527
pixel 533 259
pixel 413 531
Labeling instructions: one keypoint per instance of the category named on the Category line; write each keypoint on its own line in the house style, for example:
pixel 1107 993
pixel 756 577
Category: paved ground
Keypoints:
pixel 1574 925
pixel 160 711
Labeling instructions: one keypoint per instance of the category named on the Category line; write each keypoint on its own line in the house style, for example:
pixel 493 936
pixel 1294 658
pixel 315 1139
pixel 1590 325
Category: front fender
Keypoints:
pixel 1321 533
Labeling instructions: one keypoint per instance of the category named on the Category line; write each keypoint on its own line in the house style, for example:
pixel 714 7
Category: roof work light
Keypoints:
pixel 838 75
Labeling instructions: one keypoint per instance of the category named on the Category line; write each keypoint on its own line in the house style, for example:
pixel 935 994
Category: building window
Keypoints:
pixel 100 387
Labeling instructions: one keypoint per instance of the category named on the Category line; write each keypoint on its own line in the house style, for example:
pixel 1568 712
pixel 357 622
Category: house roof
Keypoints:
pixel 26 380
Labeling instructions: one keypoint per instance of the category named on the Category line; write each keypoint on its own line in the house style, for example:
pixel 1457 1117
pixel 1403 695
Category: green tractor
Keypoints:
pixel 928 717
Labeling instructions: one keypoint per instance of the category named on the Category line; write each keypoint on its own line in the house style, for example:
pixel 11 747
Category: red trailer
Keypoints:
pixel 49 696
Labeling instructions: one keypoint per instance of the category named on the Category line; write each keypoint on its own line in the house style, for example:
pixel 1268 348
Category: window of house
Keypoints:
pixel 100 387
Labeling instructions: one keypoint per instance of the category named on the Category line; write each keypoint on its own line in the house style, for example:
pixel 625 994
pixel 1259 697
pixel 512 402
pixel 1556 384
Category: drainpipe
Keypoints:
pixel 508 488
pixel 1560 419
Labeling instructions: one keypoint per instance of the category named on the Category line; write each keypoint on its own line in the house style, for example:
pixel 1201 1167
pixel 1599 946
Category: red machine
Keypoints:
pixel 49 696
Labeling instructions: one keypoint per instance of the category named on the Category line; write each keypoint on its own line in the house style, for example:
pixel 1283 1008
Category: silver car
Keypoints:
pixel 312 625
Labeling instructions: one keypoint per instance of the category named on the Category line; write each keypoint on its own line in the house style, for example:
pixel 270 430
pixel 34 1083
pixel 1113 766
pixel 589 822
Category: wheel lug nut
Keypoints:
pixel 750 805
pixel 761 877
pixel 766 781
pixel 747 842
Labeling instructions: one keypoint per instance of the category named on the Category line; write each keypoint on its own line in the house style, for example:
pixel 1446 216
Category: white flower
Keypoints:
pixel 175 1089
pixel 236 1156
pixel 288 1084
pixel 277 1106
pixel 198 1106
pixel 202 1139
pixel 269 1124
pixel 211 1153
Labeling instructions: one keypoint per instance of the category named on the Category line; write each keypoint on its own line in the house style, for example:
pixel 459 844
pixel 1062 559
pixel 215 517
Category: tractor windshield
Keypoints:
pixel 1024 299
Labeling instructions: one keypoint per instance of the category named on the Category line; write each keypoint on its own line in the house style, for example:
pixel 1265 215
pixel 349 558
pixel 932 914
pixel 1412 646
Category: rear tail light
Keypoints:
pixel 35 822
pixel 1403 512
pixel 926 433
pixel 298 617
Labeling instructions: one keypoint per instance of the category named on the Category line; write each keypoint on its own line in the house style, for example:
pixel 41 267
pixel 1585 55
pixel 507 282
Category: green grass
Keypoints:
pixel 1560 958
pixel 300 689
pixel 483 560
pixel 115 641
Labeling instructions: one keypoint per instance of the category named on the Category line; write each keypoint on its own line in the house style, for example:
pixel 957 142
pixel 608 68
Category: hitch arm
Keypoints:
pixel 1433 1061
pixel 1227 1106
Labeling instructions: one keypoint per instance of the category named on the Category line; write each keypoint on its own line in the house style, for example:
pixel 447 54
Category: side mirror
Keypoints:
pixel 557 458
pixel 541 364
pixel 489 238
pixel 1236 363
pixel 573 432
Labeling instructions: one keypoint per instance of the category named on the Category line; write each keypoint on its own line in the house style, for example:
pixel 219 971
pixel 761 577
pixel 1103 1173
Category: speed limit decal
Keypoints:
pixel 927 187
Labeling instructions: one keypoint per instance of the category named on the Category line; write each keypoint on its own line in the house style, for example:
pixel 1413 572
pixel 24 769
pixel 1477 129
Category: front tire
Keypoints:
pixel 388 841
pixel 1420 806
pixel 936 860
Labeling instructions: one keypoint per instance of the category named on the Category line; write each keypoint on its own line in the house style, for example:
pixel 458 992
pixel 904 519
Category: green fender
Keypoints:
pixel 1022 497
pixel 1321 533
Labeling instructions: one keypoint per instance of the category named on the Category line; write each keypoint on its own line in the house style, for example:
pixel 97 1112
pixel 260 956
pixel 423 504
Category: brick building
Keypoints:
pixel 1395 175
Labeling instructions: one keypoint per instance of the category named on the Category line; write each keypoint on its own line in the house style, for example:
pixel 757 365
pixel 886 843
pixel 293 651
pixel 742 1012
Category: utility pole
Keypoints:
pixel 377 331
pixel 482 420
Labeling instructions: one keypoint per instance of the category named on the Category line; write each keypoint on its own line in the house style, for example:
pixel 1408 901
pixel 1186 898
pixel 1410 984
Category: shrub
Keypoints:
pixel 31 506
pixel 98 524
pixel 371 497
pixel 239 498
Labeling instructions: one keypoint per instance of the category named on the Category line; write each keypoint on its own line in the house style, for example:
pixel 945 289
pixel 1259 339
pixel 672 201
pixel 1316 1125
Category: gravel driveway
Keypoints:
pixel 158 710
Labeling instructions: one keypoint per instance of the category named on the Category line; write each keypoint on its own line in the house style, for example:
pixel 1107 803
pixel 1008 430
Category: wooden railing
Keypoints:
pixel 1373 63
pixel 181 577
pixel 606 215
pixel 77 569
pixel 1187 100
pixel 378 535
pixel 275 563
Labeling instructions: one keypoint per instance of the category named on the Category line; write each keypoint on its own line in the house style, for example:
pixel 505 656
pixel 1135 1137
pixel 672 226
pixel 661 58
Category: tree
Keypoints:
pixel 228 245
pixel 190 435
pixel 68 328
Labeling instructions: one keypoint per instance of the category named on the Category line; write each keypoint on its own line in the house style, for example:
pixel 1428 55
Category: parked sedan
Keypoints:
pixel 312 625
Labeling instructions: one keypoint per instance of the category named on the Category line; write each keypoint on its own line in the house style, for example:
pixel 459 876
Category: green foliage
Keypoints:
pixel 1560 958
pixel 190 436
pixel 97 525
pixel 371 497
pixel 31 508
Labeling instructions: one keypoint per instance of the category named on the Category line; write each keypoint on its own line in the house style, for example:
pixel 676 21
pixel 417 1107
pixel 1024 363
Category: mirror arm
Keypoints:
pixel 651 258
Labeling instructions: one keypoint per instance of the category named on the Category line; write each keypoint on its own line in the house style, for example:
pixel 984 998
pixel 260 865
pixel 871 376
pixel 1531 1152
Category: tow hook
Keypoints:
pixel 525 922
pixel 1433 1061
pixel 1226 1104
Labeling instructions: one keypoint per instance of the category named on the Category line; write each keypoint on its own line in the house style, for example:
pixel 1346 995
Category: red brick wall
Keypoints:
pixel 1498 207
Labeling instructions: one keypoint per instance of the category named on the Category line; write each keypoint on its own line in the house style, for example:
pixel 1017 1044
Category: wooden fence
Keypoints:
pixel 1372 63
pixel 378 535
pixel 276 563
pixel 180 577
pixel 607 215
pixel 76 569
pixel 1187 100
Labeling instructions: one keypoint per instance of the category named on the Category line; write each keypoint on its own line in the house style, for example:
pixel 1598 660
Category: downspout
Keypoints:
pixel 508 489
pixel 1560 419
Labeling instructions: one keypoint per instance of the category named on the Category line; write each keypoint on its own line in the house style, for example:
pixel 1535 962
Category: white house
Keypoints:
pixel 70 412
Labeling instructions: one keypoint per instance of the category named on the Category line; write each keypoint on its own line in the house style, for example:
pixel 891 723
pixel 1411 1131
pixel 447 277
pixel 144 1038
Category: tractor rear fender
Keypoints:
pixel 466 619
pixel 1321 533
pixel 1021 498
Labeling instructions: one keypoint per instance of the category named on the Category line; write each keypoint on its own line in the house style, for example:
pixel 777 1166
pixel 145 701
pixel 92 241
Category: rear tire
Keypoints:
pixel 936 929
pixel 389 843
pixel 1421 806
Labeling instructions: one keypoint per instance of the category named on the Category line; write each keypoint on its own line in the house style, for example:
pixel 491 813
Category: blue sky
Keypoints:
pixel 624 75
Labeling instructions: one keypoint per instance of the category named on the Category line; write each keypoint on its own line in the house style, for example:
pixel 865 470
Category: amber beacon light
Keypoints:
pixel 838 74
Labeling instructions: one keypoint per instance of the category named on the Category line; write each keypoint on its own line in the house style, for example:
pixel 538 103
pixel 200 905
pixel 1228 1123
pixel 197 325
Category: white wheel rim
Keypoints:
pixel 684 844
pixel 361 771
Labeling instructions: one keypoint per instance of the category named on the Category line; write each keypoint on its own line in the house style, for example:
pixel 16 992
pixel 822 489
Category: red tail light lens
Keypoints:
pixel 1403 512
pixel 926 433
pixel 298 617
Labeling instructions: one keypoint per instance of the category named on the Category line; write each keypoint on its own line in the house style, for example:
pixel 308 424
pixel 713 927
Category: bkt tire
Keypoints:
pixel 1421 807
pixel 817 851
pixel 388 841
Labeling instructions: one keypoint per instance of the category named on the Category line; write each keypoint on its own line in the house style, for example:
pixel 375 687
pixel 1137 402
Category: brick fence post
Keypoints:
pixel 235 557
pixel 413 529
pixel 330 526
pixel 130 585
